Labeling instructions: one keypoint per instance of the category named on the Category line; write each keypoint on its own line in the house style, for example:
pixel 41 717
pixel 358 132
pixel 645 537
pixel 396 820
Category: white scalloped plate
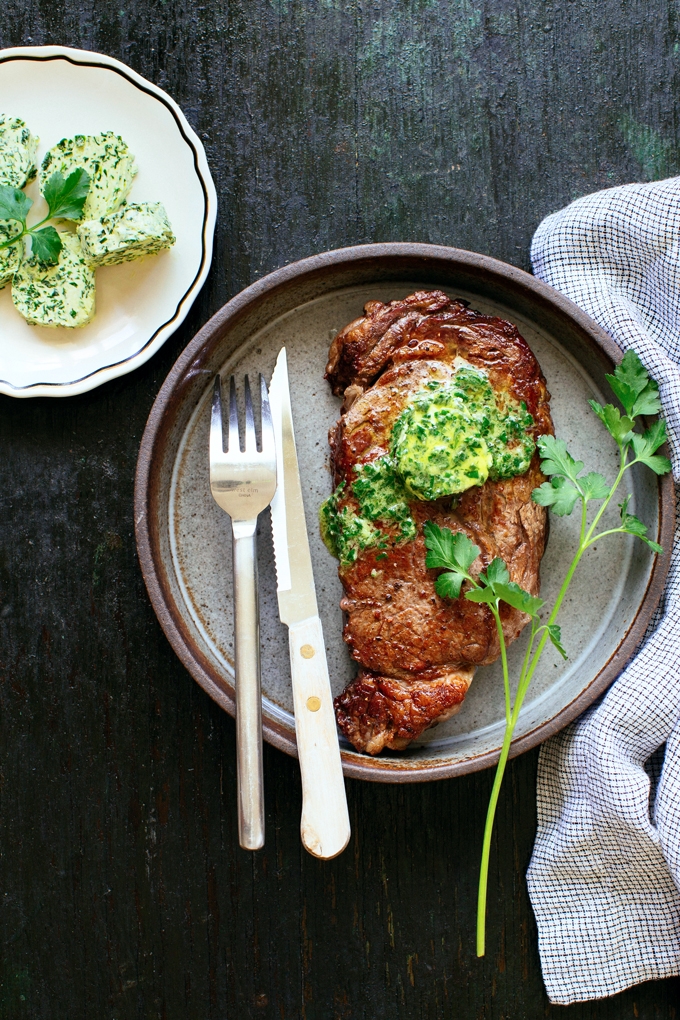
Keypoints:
pixel 60 92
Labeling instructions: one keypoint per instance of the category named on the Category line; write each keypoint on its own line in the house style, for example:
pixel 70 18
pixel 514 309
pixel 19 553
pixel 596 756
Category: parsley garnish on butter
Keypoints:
pixel 65 198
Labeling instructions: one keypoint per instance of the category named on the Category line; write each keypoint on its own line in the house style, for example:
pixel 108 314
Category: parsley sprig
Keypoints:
pixel 455 553
pixel 65 198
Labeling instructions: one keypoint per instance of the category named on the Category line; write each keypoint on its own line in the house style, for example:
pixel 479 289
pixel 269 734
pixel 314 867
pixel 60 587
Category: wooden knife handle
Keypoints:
pixel 324 827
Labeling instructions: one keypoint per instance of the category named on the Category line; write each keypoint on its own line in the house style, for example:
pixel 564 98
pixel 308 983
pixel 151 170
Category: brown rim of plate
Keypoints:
pixel 395 261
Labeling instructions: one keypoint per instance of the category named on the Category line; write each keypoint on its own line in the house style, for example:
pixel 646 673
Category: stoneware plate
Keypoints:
pixel 59 93
pixel 184 540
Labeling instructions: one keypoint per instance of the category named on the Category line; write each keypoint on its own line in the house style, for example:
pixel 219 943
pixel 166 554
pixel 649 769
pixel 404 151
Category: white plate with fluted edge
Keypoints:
pixel 60 92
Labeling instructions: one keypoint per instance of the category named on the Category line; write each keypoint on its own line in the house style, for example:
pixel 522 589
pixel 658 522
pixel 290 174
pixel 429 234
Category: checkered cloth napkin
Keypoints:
pixel 604 878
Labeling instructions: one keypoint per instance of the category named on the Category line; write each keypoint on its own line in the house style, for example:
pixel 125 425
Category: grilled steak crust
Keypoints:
pixel 418 652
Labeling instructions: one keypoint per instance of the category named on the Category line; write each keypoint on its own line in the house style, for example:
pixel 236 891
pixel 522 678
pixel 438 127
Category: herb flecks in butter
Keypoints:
pixel 344 533
pixel 381 504
pixel 107 160
pixel 136 229
pixel 58 295
pixel 455 435
pixel 18 149
pixel 382 496
pixel 10 257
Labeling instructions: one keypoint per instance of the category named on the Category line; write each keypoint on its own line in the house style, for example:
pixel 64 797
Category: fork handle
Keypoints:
pixel 248 697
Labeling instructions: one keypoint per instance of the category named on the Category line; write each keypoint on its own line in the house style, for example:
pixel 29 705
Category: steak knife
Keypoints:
pixel 324 826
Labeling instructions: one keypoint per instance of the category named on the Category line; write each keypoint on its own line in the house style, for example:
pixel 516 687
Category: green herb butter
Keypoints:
pixel 381 505
pixel 59 295
pixel 455 435
pixel 9 257
pixel 136 229
pixel 18 150
pixel 382 497
pixel 344 533
pixel 109 163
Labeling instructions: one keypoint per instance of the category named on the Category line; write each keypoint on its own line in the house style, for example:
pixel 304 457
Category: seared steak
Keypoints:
pixel 418 652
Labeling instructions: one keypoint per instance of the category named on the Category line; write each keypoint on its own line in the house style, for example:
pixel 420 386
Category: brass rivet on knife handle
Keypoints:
pixel 307 652
pixel 313 703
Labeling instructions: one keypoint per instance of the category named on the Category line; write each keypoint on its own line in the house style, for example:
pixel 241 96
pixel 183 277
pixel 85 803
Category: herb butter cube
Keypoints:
pixel 109 163
pixel 60 295
pixel 137 229
pixel 9 257
pixel 18 149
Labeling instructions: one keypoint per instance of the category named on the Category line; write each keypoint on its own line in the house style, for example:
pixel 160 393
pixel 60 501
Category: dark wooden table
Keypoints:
pixel 124 892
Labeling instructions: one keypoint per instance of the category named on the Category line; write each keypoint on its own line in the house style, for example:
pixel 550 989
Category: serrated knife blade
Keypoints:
pixel 294 575
pixel 324 826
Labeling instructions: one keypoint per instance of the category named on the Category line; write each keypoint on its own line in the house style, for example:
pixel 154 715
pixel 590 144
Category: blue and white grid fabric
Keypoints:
pixel 604 877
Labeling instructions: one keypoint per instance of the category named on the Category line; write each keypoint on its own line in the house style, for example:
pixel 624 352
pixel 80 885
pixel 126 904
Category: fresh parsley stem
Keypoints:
pixel 488 831
pixel 504 660
pixel 529 665
pixel 601 534
pixel 13 240
pixel 511 720
pixel 530 645
pixel 623 466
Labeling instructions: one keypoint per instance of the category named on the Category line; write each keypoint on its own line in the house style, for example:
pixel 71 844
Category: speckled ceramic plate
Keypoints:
pixel 60 92
pixel 184 539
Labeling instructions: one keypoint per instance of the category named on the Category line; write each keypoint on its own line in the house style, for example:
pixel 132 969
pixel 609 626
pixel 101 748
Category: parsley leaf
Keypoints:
pixel 620 426
pixel 593 486
pixel 558 493
pixel 66 197
pixel 448 585
pixel 485 595
pixel 632 385
pixel 495 573
pixel 645 446
pixel 555 635
pixel 556 459
pixel 449 550
pixel 14 205
pixel 46 245
pixel 648 402
pixel 455 552
pixel 632 525
pixel 518 598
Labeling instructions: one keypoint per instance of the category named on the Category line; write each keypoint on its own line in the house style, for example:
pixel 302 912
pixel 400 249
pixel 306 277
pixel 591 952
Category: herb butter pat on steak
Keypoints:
pixel 133 231
pixel 59 295
pixel 442 410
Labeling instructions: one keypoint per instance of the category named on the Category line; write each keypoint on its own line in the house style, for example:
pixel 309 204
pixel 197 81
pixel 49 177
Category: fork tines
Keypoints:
pixel 251 445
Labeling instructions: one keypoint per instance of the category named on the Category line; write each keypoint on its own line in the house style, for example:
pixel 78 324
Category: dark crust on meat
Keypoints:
pixel 417 652
pixel 380 711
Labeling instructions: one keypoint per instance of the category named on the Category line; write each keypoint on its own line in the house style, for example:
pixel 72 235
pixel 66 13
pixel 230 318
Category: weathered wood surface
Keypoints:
pixel 124 892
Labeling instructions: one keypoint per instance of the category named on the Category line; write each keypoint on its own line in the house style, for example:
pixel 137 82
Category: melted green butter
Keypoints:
pixel 455 435
pixel 381 497
pixel 344 533
pixel 450 437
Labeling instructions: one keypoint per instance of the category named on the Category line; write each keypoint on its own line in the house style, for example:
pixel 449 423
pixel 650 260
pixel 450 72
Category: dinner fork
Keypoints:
pixel 243 484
